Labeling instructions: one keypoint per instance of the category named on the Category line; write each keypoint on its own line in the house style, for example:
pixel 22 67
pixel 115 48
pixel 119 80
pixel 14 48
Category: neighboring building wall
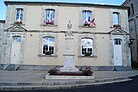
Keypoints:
pixel 2 24
pixel 103 34
pixel 133 27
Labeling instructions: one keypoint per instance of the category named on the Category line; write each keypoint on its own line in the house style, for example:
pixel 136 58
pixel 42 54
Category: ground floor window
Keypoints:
pixel 87 46
pixel 48 45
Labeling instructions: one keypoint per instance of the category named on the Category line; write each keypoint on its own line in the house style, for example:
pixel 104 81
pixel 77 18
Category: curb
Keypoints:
pixel 69 77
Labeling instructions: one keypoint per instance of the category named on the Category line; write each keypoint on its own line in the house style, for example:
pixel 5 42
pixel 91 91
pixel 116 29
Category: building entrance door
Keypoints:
pixel 117 52
pixel 16 49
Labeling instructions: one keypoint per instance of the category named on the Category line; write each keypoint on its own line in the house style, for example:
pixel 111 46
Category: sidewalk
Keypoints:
pixel 29 79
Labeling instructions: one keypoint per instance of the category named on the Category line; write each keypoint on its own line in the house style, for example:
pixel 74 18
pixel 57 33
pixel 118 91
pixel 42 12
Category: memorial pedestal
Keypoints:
pixel 69 65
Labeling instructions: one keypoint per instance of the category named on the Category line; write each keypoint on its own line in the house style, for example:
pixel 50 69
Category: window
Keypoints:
pixel 19 14
pixel 116 18
pixel 48 45
pixel 87 46
pixel 50 16
pixel 117 41
pixel 87 19
pixel 17 39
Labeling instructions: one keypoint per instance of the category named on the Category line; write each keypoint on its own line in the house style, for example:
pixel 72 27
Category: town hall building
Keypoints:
pixel 39 35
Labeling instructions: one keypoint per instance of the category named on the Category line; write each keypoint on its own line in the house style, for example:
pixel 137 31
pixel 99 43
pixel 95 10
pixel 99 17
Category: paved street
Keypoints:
pixel 129 86
pixel 38 76
pixel 30 81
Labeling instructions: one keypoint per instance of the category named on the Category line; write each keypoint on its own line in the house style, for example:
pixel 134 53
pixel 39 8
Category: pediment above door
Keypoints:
pixel 118 32
pixel 16 28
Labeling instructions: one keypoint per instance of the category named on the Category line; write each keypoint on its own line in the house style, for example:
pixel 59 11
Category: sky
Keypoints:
pixel 111 2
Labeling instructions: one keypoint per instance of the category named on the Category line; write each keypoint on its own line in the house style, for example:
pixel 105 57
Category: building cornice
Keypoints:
pixel 75 32
pixel 64 4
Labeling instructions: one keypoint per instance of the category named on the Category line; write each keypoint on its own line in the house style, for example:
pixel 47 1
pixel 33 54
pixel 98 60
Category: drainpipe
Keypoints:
pixel 136 39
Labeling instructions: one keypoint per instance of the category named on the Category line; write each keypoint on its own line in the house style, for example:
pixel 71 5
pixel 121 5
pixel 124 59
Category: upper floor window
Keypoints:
pixel 87 46
pixel 19 14
pixel 87 19
pixel 50 16
pixel 48 45
pixel 116 18
pixel 131 10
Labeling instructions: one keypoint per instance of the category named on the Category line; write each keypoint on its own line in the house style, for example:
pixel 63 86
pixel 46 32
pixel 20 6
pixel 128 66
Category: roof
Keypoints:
pixel 126 1
pixel 64 4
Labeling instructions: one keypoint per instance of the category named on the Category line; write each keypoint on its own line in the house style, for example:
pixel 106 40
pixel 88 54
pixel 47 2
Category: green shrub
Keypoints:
pixel 87 71
pixel 53 71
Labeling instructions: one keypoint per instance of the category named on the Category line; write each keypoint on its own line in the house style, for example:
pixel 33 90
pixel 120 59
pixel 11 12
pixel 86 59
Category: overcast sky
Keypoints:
pixel 113 2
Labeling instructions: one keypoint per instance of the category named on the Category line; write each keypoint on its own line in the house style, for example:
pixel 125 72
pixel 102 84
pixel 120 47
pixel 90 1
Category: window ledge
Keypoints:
pixel 40 55
pixel 47 25
pixel 87 26
pixel 87 56
pixel 22 24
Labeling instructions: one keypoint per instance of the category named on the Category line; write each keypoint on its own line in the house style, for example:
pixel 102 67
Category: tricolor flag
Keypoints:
pixel 85 22
pixel 93 21
pixel 52 20
pixel 89 19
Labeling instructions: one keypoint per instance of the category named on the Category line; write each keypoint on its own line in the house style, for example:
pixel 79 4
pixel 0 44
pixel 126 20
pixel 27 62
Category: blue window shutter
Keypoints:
pixel 83 17
pixel 17 14
pixel 51 15
pixel 21 15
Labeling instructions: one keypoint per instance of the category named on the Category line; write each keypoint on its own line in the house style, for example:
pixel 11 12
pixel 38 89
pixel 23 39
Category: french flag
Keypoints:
pixel 92 21
pixel 52 20
pixel 85 22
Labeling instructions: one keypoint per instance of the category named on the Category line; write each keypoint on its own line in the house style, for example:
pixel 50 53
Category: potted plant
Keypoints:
pixel 116 26
pixel 87 24
pixel 87 54
pixel 48 53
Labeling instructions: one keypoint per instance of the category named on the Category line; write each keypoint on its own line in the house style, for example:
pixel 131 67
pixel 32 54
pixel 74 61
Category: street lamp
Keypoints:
pixel 130 41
